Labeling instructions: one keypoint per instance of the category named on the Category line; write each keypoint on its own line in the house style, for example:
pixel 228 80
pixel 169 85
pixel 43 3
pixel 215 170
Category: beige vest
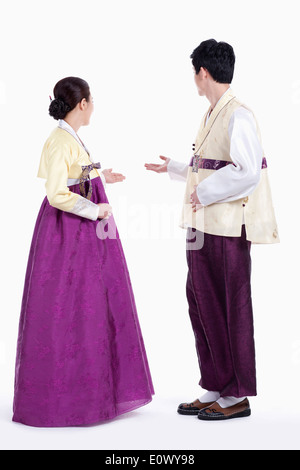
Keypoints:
pixel 226 218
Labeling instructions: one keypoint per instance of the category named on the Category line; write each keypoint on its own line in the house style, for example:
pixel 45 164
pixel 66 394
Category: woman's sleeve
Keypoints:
pixel 102 178
pixel 59 161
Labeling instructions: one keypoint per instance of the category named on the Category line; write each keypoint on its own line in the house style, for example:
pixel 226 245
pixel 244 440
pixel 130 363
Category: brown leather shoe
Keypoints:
pixel 192 408
pixel 216 413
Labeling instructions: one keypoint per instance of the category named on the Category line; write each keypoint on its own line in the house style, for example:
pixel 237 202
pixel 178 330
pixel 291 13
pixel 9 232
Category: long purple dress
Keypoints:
pixel 80 354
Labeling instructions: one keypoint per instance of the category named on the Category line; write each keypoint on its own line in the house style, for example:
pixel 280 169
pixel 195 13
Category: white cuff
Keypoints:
pixel 201 198
pixel 86 208
pixel 177 170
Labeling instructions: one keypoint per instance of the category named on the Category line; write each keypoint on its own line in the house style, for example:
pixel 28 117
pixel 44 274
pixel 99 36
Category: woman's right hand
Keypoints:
pixel 158 168
pixel 105 210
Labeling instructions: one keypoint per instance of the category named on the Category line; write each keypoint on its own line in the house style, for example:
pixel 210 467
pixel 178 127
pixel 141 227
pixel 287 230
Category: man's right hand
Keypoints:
pixel 158 168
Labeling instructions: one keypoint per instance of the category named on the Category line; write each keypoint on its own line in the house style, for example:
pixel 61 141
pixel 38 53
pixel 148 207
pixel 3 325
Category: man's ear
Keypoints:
pixel 203 71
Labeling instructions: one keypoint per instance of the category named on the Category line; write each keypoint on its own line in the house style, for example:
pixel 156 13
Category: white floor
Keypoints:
pixel 157 426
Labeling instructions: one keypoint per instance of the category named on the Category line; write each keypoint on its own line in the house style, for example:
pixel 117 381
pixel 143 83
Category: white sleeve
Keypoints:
pixel 177 171
pixel 234 182
pixel 86 208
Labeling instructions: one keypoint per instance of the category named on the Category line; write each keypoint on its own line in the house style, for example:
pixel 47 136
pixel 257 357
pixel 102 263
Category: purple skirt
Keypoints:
pixel 80 355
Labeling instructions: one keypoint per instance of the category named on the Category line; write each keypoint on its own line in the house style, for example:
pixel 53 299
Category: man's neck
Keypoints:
pixel 215 93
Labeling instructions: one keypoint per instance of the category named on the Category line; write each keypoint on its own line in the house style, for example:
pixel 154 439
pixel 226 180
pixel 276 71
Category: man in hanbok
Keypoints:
pixel 227 206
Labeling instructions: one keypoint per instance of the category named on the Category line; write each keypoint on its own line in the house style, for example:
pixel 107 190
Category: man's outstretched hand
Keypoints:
pixel 158 168
pixel 162 168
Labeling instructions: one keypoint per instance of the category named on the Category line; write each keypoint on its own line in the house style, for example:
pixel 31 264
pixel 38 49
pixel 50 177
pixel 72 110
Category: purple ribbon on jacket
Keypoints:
pixel 210 164
pixel 85 176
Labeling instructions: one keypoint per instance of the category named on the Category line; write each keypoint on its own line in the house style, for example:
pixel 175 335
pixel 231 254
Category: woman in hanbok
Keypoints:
pixel 80 354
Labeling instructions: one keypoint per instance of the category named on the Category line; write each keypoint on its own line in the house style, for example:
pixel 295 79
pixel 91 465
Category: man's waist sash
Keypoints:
pixel 210 164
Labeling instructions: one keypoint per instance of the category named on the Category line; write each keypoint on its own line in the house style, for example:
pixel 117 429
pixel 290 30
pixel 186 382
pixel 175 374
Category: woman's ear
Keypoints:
pixel 82 104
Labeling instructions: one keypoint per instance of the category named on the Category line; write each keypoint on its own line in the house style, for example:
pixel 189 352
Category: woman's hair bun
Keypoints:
pixel 68 92
pixel 58 109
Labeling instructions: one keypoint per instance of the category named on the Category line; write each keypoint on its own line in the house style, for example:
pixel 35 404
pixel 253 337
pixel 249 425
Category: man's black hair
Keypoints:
pixel 217 58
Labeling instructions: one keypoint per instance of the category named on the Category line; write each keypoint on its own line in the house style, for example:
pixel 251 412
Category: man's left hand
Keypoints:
pixel 196 204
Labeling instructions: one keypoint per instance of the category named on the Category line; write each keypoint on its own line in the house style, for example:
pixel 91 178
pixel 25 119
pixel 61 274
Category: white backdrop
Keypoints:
pixel 135 56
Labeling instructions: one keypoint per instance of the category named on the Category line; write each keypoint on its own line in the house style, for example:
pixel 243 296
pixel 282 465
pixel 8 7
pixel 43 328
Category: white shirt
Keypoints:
pixel 230 182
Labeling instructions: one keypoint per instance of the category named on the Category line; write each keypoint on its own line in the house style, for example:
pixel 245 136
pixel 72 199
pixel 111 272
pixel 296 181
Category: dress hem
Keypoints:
pixel 87 423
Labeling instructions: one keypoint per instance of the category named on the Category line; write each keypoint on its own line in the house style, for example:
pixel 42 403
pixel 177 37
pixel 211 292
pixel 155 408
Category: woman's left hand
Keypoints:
pixel 112 177
pixel 196 204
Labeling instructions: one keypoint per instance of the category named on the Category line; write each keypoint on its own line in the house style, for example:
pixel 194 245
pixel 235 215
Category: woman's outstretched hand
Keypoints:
pixel 159 168
pixel 112 177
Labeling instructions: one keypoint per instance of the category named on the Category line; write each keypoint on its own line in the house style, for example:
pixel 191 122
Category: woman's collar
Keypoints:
pixel 64 125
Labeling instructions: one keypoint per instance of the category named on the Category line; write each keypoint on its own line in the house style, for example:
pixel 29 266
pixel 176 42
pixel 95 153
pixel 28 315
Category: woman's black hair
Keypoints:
pixel 68 92
pixel 216 57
